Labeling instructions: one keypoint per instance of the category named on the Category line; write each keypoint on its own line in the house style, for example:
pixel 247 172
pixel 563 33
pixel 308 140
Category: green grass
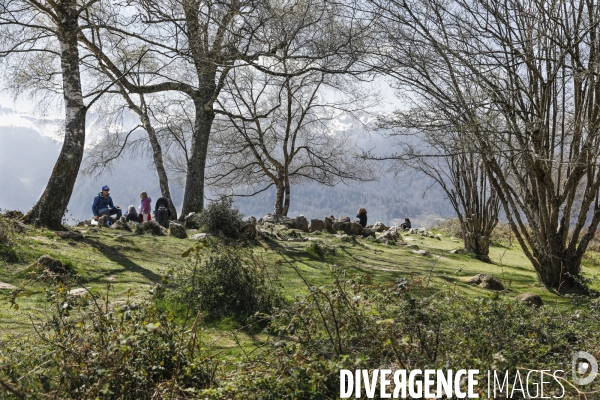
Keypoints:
pixel 132 264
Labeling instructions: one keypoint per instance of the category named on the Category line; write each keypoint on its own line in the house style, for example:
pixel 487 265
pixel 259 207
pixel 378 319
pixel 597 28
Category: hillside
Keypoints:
pixel 131 262
pixel 346 303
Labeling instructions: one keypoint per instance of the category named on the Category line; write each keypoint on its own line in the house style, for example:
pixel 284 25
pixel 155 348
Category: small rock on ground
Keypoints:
pixel 486 282
pixel 7 286
pixel 20 227
pixel 200 236
pixel 53 265
pixel 531 299
pixel 152 227
pixel 177 230
pixel 74 235
pixel 79 291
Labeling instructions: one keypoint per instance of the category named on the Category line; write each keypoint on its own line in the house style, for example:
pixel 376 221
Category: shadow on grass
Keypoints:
pixel 116 256
pixel 275 246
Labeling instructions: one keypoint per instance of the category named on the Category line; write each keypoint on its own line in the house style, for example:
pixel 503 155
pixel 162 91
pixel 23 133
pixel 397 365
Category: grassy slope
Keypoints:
pixel 133 263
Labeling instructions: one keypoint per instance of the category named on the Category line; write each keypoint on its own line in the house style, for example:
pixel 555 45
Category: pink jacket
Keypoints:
pixel 145 207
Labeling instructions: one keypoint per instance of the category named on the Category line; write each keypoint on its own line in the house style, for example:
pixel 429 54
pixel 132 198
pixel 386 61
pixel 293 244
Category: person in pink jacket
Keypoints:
pixel 145 208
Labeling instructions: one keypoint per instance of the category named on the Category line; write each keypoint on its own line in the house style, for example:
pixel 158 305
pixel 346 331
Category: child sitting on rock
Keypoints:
pixel 132 214
pixel 145 208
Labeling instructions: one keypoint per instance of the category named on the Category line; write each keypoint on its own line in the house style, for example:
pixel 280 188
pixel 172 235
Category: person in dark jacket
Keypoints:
pixel 362 217
pixel 103 205
pixel 406 224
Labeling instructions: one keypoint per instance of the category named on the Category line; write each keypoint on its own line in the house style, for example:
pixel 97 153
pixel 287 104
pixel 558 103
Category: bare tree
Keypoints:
pixel 534 66
pixel 33 36
pixel 197 44
pixel 436 144
pixel 279 131
pixel 119 142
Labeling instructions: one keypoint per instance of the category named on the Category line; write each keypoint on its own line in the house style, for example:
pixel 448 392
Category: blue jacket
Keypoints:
pixel 101 203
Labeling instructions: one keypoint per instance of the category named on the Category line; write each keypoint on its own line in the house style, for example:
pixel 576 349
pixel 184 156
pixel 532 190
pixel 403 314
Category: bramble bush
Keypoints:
pixel 8 251
pixel 223 281
pixel 220 218
pixel 90 348
pixel 320 250
pixel 356 324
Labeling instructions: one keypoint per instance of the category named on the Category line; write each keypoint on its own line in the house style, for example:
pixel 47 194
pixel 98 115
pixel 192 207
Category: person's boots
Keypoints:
pixel 102 221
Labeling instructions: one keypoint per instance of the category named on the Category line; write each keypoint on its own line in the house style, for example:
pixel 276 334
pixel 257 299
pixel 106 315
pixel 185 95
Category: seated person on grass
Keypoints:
pixel 103 205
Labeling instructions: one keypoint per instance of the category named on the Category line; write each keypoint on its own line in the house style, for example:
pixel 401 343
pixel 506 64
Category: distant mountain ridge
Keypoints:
pixel 28 153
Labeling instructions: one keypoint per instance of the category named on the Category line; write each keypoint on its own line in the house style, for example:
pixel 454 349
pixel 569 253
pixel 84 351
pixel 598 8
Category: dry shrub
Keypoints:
pixel 502 233
pixel 451 226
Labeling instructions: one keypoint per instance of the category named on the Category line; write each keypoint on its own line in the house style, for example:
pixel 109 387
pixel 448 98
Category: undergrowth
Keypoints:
pixel 91 347
pixel 221 281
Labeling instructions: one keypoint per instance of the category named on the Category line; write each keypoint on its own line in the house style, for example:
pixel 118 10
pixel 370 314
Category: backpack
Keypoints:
pixel 162 215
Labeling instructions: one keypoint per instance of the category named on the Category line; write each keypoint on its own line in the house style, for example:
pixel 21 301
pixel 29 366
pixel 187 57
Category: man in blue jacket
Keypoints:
pixel 103 205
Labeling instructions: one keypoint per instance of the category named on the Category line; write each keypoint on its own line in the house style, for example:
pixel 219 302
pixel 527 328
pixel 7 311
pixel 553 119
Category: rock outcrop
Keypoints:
pixel 316 225
pixel 151 227
pixel 276 219
pixel 20 227
pixel 121 224
pixel 53 269
pixel 328 224
pixel 177 230
pixel 531 299
pixel 250 230
pixel 200 236
pixel 390 234
pixel 380 227
pixel 191 221
pixel 301 223
pixel 71 235
pixel 486 282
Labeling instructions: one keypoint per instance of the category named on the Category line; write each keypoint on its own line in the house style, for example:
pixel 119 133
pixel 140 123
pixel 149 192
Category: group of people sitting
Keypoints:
pixel 362 219
pixel 103 205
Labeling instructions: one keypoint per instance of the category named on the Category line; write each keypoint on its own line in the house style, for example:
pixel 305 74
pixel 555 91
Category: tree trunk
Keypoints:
pixel 286 204
pixel 193 198
pixel 158 163
pixel 278 209
pixel 477 244
pixel 560 273
pixel 52 205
